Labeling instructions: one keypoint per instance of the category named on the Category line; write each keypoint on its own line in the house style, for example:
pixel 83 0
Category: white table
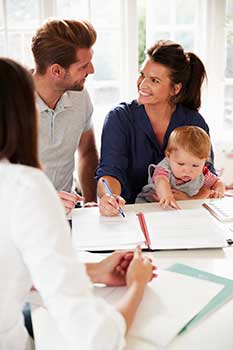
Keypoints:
pixel 213 333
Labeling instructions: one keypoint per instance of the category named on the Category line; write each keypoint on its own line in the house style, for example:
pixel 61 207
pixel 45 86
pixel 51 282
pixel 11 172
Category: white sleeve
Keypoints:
pixel 42 236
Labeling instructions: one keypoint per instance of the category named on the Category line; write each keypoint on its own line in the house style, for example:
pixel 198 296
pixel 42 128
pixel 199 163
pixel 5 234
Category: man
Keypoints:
pixel 62 51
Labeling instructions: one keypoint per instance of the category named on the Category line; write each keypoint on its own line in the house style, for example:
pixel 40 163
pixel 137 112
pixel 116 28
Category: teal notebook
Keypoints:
pixel 222 297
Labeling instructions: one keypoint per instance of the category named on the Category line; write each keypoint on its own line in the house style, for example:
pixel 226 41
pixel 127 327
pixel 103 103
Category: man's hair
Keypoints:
pixel 191 139
pixel 57 41
pixel 18 119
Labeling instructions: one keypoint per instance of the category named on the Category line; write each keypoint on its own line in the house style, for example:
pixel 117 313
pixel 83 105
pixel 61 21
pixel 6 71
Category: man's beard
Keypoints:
pixel 73 87
pixel 76 87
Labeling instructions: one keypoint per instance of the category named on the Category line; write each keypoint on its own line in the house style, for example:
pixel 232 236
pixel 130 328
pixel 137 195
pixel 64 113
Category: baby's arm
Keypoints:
pixel 217 190
pixel 214 184
pixel 163 189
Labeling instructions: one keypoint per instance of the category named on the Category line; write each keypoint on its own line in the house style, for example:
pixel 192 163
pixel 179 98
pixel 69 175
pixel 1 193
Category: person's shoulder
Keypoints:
pixel 124 110
pixel 190 116
pixel 28 177
pixel 187 111
pixel 127 106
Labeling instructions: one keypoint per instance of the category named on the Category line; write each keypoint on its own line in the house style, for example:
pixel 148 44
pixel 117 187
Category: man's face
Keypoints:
pixel 77 72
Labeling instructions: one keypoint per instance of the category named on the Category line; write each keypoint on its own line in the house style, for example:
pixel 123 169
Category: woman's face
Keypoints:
pixel 154 84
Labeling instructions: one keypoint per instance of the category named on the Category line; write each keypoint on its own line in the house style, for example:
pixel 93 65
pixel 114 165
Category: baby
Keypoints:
pixel 183 171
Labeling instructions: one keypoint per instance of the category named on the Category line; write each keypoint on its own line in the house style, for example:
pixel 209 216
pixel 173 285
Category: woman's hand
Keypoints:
pixel 140 270
pixel 121 268
pixel 109 205
pixel 111 270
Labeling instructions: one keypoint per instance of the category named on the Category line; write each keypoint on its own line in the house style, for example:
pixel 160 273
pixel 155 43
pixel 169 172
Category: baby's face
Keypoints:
pixel 185 166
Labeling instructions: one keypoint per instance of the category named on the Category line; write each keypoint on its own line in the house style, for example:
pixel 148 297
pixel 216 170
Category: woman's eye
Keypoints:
pixel 195 165
pixel 154 80
pixel 180 164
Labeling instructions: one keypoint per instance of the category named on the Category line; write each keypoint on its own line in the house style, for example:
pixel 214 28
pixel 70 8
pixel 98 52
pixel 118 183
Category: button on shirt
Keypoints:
pixel 36 249
pixel 129 144
pixel 60 131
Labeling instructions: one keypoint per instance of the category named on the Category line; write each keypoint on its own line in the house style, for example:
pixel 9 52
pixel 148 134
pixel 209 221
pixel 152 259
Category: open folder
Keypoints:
pixel 167 229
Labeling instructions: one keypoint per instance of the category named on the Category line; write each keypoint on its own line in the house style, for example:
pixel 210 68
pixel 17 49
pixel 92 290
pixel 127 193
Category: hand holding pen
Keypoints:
pixel 111 206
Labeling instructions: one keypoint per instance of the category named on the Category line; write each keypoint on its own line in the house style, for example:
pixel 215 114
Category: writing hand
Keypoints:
pixel 109 205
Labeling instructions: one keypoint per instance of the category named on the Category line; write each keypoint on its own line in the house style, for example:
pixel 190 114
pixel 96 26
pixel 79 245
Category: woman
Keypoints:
pixel 36 247
pixel 136 134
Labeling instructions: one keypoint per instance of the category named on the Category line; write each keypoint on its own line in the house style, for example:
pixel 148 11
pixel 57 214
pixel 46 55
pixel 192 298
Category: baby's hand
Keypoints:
pixel 216 194
pixel 168 201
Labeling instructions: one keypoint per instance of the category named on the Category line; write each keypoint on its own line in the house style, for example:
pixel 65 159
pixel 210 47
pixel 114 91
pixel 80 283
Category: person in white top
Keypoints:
pixel 36 246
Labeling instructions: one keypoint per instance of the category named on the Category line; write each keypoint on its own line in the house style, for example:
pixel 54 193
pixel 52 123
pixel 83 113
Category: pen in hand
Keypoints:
pixel 110 193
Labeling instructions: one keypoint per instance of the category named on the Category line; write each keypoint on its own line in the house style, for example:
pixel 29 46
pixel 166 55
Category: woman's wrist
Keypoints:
pixel 138 286
pixel 93 271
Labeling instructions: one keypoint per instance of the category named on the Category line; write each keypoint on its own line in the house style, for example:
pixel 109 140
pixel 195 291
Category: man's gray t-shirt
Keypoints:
pixel 60 131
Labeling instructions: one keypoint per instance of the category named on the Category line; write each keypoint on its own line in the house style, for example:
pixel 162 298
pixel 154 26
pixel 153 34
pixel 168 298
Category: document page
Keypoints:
pixel 170 301
pixel 184 229
pixel 91 231
pixel 222 208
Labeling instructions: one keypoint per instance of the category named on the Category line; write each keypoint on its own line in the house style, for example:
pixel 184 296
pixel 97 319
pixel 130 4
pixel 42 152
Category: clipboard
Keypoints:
pixel 221 298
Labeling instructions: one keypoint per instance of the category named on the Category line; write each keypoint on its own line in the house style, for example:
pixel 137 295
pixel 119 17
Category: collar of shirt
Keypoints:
pixel 63 103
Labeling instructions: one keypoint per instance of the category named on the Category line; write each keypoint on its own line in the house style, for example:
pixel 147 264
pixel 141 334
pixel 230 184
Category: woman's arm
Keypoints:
pixel 139 273
pixel 132 269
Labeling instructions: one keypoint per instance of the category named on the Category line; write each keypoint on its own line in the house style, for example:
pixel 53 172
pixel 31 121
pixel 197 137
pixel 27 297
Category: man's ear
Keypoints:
pixel 57 71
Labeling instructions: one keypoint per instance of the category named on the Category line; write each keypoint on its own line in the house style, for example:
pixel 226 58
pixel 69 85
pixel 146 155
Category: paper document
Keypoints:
pixel 184 229
pixel 91 231
pixel 165 229
pixel 169 303
pixel 222 208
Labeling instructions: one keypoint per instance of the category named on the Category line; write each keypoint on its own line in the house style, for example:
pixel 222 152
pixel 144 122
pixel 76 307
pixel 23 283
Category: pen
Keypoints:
pixel 143 225
pixel 110 193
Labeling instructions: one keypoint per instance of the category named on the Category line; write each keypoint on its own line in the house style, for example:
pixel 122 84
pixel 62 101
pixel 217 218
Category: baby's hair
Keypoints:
pixel 191 139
